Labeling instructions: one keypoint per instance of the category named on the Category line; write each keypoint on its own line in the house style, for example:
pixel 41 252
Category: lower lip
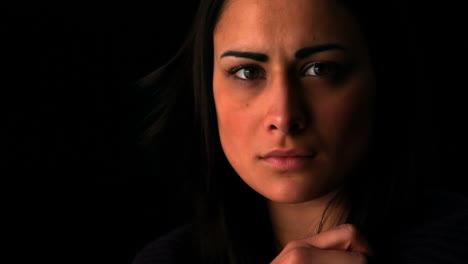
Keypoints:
pixel 288 163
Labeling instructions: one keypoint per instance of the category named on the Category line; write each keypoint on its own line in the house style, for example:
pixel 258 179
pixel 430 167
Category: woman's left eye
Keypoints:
pixel 322 69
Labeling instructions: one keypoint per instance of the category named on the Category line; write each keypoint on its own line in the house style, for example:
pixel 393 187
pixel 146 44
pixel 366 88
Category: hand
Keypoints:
pixel 341 245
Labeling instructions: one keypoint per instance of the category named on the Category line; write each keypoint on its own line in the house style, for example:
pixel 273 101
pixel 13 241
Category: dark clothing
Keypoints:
pixel 440 236
pixel 173 247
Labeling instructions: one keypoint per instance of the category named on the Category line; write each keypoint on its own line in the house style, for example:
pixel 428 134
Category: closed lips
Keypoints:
pixel 289 153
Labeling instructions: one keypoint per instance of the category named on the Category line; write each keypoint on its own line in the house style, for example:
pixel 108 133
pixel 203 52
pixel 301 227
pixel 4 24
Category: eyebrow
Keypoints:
pixel 249 55
pixel 300 54
pixel 307 51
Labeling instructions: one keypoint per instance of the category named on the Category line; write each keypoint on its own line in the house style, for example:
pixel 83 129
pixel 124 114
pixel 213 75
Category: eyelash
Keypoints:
pixel 232 72
pixel 337 67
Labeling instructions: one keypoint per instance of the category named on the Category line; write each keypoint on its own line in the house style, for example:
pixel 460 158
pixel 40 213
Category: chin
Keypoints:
pixel 291 192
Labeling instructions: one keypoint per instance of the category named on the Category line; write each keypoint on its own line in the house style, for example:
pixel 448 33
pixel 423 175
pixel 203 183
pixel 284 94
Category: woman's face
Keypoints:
pixel 293 89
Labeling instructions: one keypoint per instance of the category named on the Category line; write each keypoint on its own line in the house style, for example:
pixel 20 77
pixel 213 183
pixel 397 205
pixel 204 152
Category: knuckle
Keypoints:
pixel 350 230
pixel 293 244
pixel 298 255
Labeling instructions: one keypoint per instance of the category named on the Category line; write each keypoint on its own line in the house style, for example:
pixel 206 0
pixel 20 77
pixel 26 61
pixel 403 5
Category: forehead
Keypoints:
pixel 291 24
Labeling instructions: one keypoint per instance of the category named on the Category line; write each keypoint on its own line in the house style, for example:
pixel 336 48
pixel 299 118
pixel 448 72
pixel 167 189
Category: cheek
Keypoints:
pixel 345 123
pixel 228 114
pixel 230 129
pixel 235 124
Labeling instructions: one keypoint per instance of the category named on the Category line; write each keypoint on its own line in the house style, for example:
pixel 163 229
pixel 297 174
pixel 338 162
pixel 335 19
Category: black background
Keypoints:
pixel 75 185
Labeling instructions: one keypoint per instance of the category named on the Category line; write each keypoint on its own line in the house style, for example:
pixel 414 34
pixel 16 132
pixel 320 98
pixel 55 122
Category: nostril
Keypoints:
pixel 288 126
pixel 292 129
pixel 296 127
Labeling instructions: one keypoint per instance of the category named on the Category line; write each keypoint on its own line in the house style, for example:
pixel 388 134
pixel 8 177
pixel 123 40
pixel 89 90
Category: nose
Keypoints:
pixel 287 110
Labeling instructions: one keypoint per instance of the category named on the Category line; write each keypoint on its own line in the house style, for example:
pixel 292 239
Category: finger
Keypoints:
pixel 342 237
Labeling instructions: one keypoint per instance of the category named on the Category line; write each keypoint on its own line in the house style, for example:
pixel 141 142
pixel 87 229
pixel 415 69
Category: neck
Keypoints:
pixel 300 220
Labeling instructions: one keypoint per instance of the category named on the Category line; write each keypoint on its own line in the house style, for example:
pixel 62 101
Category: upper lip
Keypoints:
pixel 288 153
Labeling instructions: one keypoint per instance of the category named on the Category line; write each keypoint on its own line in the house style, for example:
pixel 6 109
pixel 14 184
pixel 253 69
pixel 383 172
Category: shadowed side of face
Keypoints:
pixel 293 89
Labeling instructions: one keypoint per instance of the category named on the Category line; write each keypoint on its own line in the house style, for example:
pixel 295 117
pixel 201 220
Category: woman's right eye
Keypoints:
pixel 247 72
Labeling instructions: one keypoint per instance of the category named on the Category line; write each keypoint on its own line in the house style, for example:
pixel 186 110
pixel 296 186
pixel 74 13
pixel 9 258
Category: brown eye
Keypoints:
pixel 248 73
pixel 320 69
